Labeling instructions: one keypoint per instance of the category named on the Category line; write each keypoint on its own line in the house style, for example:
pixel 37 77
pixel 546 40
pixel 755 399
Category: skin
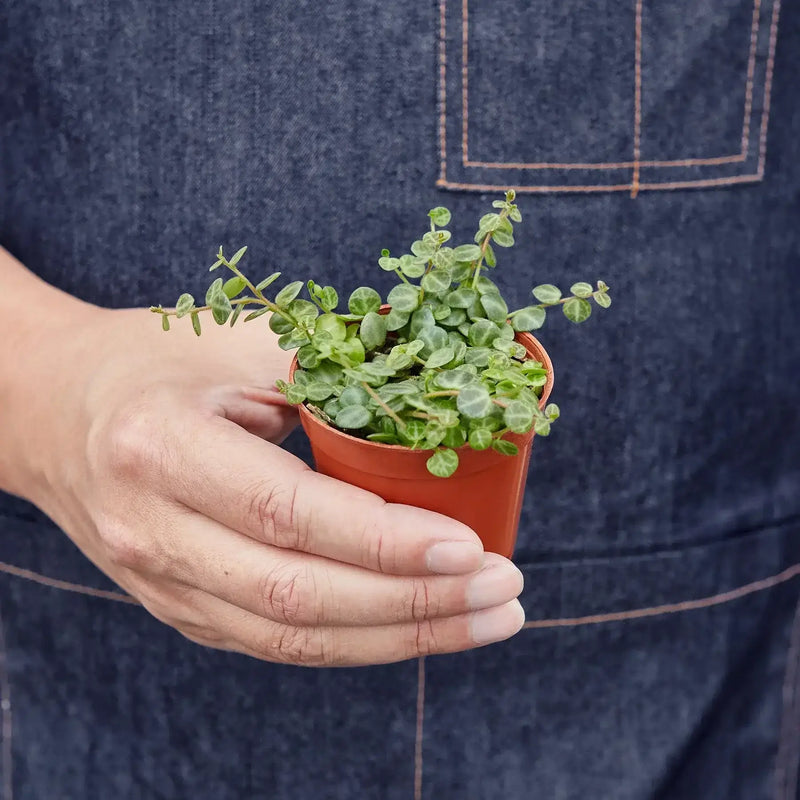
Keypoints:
pixel 158 455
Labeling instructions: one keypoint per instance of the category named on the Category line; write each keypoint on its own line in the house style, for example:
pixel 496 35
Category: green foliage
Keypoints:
pixel 439 370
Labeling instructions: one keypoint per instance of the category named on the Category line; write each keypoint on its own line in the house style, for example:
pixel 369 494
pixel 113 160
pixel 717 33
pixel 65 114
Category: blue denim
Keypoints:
pixel 654 144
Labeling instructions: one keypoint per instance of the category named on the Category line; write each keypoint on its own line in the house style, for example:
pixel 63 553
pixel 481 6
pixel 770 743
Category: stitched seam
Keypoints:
pixel 717 160
pixel 443 89
pixel 419 734
pixel 620 187
pixel 54 583
pixel 637 102
pixel 751 66
pixel 762 138
pixel 6 719
pixel 788 758
pixel 671 608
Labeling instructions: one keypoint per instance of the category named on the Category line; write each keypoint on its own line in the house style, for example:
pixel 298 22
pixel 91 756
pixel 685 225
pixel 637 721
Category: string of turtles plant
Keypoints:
pixel 440 370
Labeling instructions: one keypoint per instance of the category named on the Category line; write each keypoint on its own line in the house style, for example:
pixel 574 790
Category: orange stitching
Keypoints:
pixel 748 91
pixel 786 762
pixel 621 187
pixel 54 583
pixel 637 103
pixel 671 608
pixel 686 162
pixel 7 728
pixel 420 719
pixel 464 79
pixel 442 89
pixel 605 165
pixel 762 139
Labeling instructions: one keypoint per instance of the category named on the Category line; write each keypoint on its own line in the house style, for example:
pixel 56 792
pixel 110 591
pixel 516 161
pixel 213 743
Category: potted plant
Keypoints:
pixel 432 398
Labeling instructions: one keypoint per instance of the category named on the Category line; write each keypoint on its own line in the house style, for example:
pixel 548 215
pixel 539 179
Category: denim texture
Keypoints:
pixel 660 535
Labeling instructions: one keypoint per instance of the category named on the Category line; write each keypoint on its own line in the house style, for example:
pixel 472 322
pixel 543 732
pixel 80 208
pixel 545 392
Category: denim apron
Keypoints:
pixel 654 144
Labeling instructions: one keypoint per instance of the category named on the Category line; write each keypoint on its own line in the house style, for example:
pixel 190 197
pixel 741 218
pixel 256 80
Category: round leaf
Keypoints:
pixel 396 319
pixel 482 333
pixel 602 299
pixel 295 394
pixel 440 357
pixel 547 293
pixel 353 417
pixel 530 318
pixel 518 416
pixel 505 447
pixel 413 267
pixel 373 331
pixel 443 463
pixel 436 282
pixel 467 252
pixel 440 216
pixel 317 391
pixel 480 439
pixel 474 401
pixel 576 309
pixel 233 286
pixel 494 306
pixel 185 305
pixel 288 293
pixel 353 396
pixel 404 298
pixel 363 300
pixel 581 289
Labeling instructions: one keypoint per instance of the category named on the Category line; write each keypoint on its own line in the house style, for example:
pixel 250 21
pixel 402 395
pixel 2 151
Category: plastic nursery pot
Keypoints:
pixel 485 492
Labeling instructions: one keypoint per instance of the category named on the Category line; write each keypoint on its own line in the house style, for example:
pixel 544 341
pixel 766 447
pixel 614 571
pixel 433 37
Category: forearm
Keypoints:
pixel 34 318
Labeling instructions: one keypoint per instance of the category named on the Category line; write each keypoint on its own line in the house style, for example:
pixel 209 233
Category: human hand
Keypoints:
pixel 158 454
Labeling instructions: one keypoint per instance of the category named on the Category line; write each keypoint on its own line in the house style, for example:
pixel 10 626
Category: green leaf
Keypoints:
pixel 256 314
pixel 489 257
pixel 196 322
pixel 505 447
pixel 383 438
pixel 433 338
pixel 267 281
pixel 317 391
pixel 233 286
pixel 307 357
pixel 514 214
pixel 434 433
pixel 404 297
pixel 461 298
pixel 363 300
pixel 494 306
pixel 581 289
pixel 388 264
pixel 454 437
pixel 485 286
pixel 530 318
pixel 332 324
pixel 467 252
pixel 413 267
pixel 215 287
pixel 576 309
pixel 480 439
pixel 440 357
pixel 295 394
pixel 373 331
pixel 602 299
pixel 547 293
pixel 292 340
pixel 490 222
pixel 518 416
pixel 422 318
pixel 542 427
pixel 304 311
pixel 440 216
pixel 482 333
pixel 552 412
pixel 234 260
pixel 329 298
pixel 279 324
pixel 422 249
pixel 453 379
pixel 444 258
pixel 353 417
pixel 441 311
pixel 353 396
pixel 436 282
pixel 474 401
pixel 503 239
pixel 288 293
pixel 455 318
pixel 479 356
pixel 443 463
pixel 236 313
pixel 396 319
pixel 413 433
pixel 221 307
pixel 165 322
pixel 184 305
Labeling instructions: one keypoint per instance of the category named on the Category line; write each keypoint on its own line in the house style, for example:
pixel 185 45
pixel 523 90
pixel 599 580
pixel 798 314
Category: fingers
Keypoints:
pixel 266 493
pixel 307 590
pixel 348 646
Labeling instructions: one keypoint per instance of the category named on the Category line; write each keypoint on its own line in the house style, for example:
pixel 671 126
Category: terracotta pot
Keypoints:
pixel 485 492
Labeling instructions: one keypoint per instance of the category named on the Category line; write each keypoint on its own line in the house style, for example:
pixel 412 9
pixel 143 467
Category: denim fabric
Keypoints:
pixel 654 144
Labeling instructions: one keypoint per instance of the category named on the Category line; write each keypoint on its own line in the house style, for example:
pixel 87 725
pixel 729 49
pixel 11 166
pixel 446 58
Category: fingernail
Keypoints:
pixel 454 558
pixel 496 624
pixel 494 585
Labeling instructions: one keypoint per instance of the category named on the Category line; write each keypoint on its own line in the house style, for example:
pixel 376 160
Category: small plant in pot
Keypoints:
pixel 431 398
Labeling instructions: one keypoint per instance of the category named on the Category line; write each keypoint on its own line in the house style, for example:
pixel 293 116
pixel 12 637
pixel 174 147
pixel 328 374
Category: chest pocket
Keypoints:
pixel 607 96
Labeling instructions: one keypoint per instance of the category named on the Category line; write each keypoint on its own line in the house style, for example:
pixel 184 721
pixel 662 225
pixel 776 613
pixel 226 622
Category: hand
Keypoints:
pixel 158 454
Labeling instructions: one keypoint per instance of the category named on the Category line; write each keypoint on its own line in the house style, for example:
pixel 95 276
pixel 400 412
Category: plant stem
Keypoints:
pixel 374 395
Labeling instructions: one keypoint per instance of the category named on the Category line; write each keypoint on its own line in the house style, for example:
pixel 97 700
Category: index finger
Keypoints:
pixel 263 491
